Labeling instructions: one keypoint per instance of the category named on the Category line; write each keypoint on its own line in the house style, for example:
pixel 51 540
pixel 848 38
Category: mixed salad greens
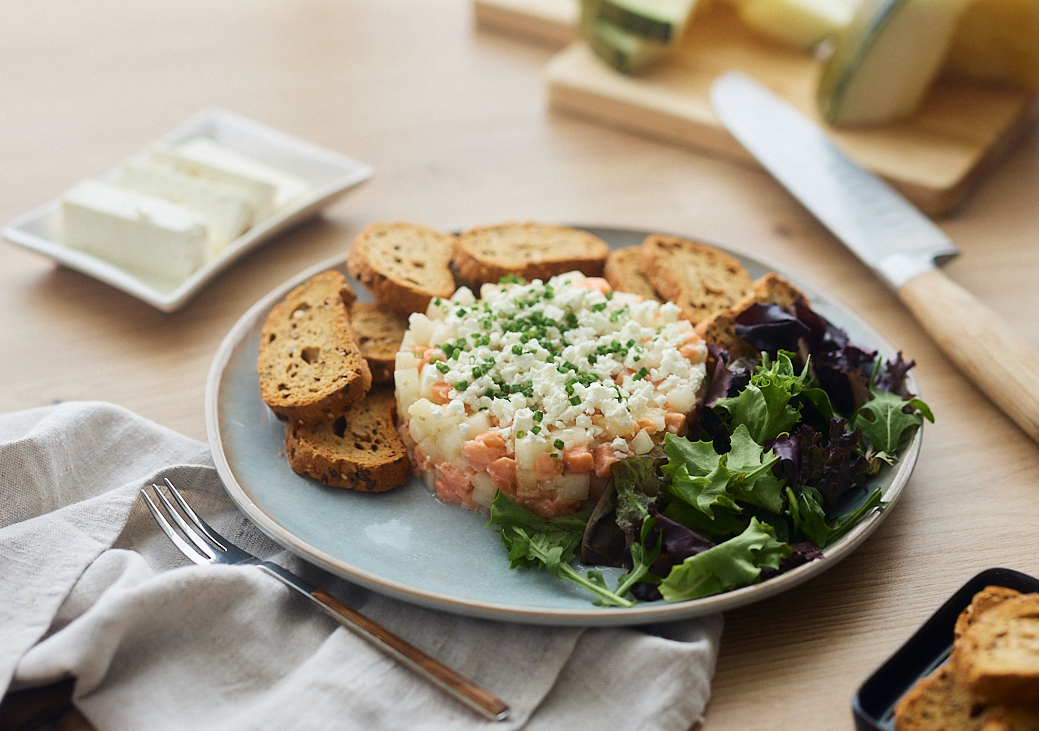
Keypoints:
pixel 779 448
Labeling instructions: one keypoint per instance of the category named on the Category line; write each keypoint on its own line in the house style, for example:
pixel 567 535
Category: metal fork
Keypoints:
pixel 208 546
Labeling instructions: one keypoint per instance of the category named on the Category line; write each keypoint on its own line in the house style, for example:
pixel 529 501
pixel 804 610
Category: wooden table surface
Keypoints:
pixel 454 122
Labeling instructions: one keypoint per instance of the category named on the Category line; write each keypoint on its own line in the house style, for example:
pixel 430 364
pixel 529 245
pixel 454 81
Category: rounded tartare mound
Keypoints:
pixel 536 389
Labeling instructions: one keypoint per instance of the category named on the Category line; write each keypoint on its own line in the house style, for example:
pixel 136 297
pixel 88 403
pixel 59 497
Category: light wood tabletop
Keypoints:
pixel 454 121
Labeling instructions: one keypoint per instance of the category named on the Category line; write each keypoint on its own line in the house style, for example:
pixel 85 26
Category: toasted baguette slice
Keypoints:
pixel 998 657
pixel 720 328
pixel 359 450
pixel 940 703
pixel 698 278
pixel 379 331
pixel 310 365
pixel 529 250
pixel 622 272
pixel 404 265
pixel 986 599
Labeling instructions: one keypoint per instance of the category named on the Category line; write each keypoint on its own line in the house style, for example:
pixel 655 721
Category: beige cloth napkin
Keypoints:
pixel 90 588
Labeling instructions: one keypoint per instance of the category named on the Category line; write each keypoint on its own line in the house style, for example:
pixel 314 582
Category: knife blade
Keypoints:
pixel 889 235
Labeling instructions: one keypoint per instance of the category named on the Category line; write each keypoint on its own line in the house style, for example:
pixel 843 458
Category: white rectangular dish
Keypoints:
pixel 329 173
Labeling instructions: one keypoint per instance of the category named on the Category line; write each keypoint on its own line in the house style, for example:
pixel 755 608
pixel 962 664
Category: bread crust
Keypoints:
pixel 526 249
pixel 403 265
pixel 720 328
pixel 940 703
pixel 700 279
pixel 998 656
pixel 379 331
pixel 622 272
pixel 310 365
pixel 358 450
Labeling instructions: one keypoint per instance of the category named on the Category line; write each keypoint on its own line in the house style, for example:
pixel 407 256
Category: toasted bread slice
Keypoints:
pixel 529 250
pixel 622 272
pixel 359 450
pixel 940 703
pixel 986 599
pixel 404 265
pixel 698 278
pixel 720 328
pixel 310 364
pixel 379 331
pixel 998 654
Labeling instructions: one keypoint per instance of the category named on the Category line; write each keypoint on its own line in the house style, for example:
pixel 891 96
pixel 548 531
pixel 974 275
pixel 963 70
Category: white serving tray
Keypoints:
pixel 330 173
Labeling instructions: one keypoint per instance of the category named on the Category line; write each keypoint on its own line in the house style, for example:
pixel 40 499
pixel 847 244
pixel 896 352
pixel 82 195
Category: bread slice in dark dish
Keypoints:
pixel 379 331
pixel 526 249
pixel 359 450
pixel 310 365
pixel 699 278
pixel 404 265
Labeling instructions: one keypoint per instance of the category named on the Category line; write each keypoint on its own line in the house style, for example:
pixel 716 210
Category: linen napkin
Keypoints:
pixel 90 588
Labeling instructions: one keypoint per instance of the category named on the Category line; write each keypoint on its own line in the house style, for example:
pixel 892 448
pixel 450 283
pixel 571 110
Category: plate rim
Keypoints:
pixel 355 172
pixel 643 613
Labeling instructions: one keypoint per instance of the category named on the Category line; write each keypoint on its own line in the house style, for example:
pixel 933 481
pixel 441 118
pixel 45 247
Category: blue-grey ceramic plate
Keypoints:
pixel 405 543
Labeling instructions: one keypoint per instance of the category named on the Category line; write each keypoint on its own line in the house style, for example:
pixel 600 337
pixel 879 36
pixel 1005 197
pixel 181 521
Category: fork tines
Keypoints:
pixel 205 542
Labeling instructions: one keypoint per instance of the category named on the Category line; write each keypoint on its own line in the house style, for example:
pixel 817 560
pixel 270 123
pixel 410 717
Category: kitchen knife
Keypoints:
pixel 889 235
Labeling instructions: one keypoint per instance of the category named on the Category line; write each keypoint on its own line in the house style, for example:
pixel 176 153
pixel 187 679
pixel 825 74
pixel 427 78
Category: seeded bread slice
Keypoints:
pixel 310 365
pixel 379 331
pixel 404 265
pixel 998 657
pixel 720 328
pixel 622 272
pixel 359 450
pixel 529 250
pixel 698 278
pixel 940 703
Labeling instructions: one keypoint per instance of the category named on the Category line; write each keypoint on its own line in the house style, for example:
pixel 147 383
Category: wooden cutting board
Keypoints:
pixel 934 159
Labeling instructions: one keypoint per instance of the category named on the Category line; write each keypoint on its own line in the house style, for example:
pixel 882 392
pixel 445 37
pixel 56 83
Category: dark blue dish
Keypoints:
pixel 874 704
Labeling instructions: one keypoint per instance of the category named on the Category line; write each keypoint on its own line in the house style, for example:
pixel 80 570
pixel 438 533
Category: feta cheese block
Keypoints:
pixel 135 231
pixel 537 389
pixel 260 193
pixel 226 209
pixel 288 188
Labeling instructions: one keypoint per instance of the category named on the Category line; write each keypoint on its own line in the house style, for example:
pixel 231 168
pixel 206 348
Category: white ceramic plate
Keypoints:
pixel 329 173
pixel 405 543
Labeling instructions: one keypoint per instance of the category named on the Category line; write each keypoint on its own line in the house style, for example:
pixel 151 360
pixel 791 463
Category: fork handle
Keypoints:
pixel 451 682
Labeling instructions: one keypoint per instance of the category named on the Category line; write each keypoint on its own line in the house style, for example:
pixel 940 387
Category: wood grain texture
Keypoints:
pixel 934 158
pixel 453 120
pixel 980 343
pixel 551 22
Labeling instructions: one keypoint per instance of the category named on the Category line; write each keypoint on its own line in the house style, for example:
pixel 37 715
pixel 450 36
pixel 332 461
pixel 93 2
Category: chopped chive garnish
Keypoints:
pixel 558 444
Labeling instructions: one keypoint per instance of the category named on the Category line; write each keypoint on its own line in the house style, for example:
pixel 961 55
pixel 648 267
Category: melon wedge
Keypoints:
pixel 885 60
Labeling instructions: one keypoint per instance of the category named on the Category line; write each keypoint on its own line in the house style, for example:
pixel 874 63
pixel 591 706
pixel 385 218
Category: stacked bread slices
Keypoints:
pixel 991 680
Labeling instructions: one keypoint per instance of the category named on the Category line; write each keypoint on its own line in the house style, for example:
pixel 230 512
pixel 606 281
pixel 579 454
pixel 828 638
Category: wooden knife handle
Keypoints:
pixel 448 680
pixel 980 343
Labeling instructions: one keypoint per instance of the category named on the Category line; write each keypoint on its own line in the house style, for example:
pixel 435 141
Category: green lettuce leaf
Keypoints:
pixel 764 406
pixel 728 565
pixel 884 422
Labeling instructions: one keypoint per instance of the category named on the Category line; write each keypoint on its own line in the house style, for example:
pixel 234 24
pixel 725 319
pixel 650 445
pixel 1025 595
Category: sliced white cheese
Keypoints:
pixel 289 188
pixel 259 192
pixel 225 207
pixel 135 231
